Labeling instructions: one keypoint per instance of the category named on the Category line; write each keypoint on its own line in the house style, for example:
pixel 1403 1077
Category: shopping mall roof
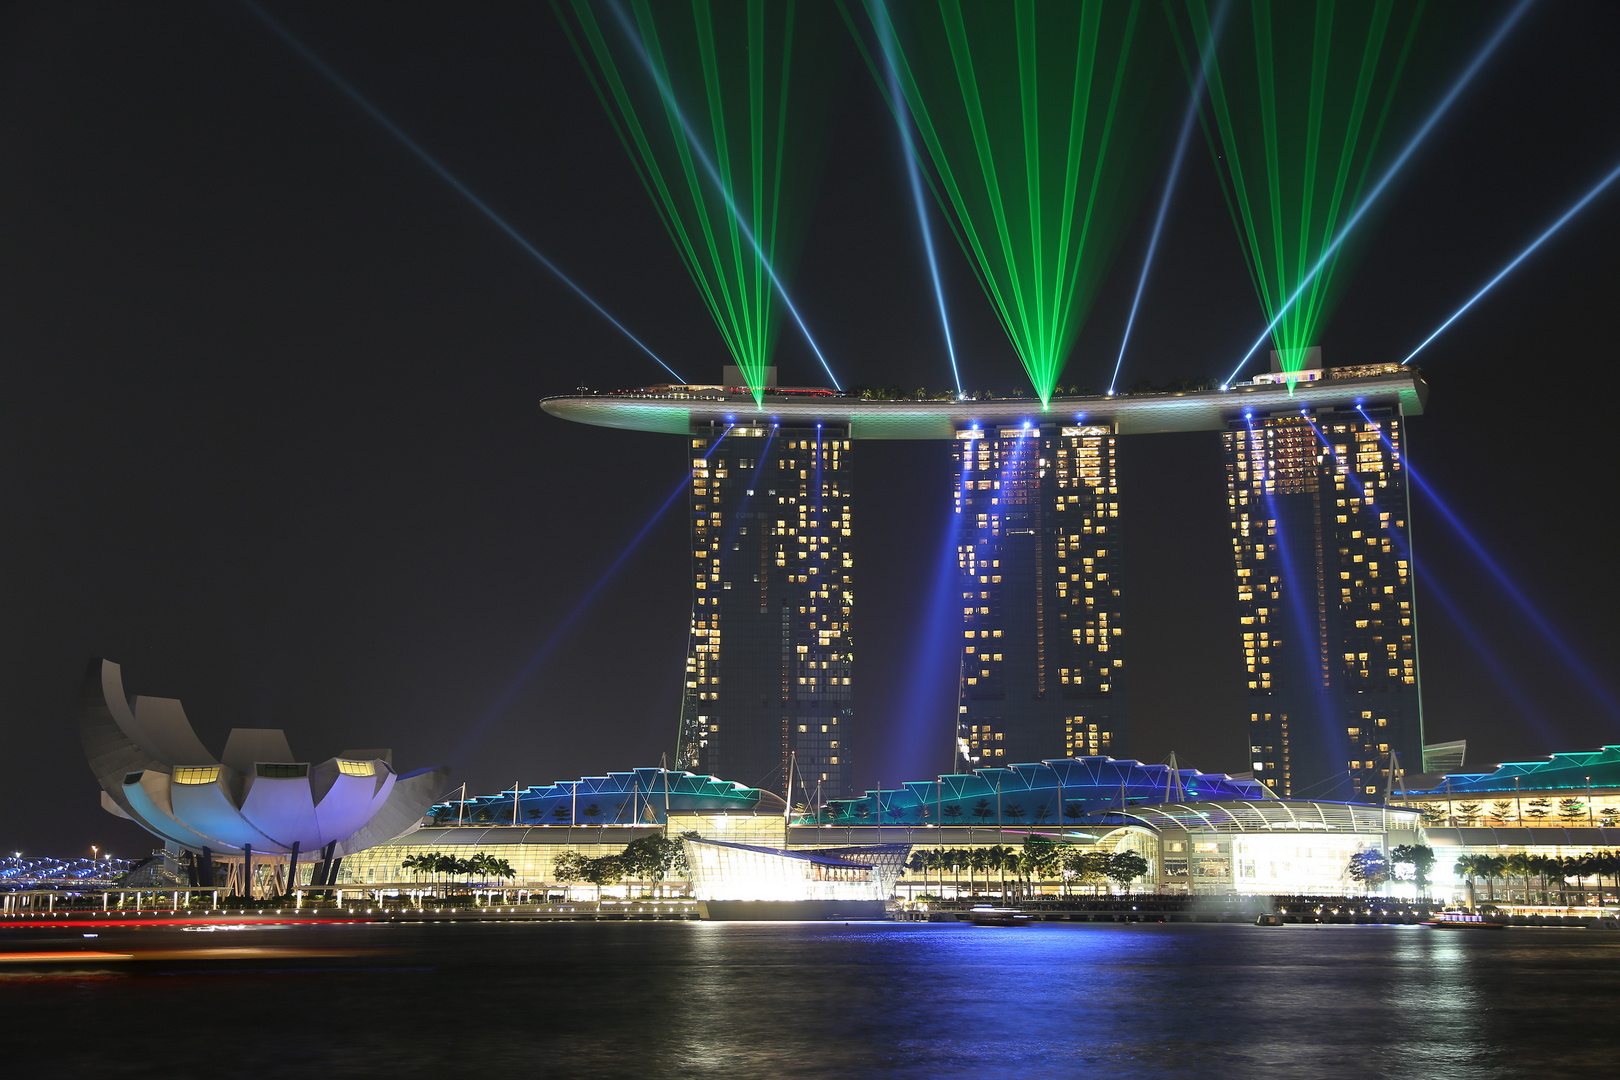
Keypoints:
pixel 1037 793
pixel 1560 772
pixel 639 796
pixel 1275 815
pixel 676 409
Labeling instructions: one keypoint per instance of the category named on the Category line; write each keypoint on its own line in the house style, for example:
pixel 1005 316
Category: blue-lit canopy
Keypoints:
pixel 1065 790
pixel 1597 768
pixel 639 796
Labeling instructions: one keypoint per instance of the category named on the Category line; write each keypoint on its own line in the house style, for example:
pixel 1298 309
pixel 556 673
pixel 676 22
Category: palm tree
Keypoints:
pixel 1491 868
pixel 1579 867
pixel 1606 863
pixel 1468 868
pixel 976 860
pixel 997 858
pixel 1513 866
pixel 919 863
pixel 953 811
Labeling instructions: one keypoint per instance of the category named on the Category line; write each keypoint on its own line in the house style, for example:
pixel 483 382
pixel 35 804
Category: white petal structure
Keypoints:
pixel 155 771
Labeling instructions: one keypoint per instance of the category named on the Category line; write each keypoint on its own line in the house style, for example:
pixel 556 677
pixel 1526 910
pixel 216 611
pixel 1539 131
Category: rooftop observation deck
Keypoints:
pixel 675 410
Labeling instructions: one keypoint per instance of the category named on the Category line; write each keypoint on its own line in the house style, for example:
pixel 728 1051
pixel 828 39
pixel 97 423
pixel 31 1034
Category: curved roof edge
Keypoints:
pixel 675 410
pixel 636 796
pixel 1573 771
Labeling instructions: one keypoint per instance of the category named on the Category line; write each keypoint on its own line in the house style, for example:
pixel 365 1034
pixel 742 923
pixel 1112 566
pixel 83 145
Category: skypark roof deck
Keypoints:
pixel 676 410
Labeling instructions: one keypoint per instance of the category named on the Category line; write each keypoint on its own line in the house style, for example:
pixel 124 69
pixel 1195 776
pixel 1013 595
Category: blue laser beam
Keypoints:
pixel 908 150
pixel 668 94
pixel 1542 625
pixel 1308 636
pixel 1433 589
pixel 1519 258
pixel 740 513
pixel 915 741
pixel 482 725
pixel 1395 167
pixel 447 176
pixel 1169 189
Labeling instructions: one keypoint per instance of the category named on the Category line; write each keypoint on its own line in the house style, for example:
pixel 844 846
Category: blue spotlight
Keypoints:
pixel 1433 588
pixel 668 94
pixel 931 684
pixel 1519 258
pixel 1304 627
pixel 753 484
pixel 483 724
pixel 1565 652
pixel 908 150
pixel 445 175
pixel 1169 187
pixel 1389 174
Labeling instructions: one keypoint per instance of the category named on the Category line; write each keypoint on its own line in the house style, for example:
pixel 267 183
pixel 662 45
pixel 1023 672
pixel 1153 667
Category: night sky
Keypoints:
pixel 271 436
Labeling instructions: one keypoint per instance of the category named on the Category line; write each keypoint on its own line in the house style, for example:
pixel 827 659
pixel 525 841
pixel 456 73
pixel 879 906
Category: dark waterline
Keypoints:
pixel 783 1000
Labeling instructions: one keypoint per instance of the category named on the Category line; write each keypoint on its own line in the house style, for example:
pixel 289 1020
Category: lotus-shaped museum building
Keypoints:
pixel 255 798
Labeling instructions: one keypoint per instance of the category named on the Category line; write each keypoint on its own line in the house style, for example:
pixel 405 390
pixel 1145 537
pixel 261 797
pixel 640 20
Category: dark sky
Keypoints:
pixel 270 434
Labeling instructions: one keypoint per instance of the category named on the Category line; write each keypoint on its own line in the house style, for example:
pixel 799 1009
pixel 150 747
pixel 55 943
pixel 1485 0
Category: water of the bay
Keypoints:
pixel 782 1000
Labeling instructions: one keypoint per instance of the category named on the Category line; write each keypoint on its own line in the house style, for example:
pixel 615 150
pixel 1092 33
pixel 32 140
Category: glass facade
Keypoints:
pixel 729 871
pixel 1321 547
pixel 770 660
pixel 1038 561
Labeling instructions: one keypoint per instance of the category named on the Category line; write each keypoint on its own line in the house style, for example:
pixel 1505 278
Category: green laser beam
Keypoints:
pixel 1300 101
pixel 732 67
pixel 1018 106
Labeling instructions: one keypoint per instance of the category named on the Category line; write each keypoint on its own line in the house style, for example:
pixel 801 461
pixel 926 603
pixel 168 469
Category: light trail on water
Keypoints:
pixel 448 177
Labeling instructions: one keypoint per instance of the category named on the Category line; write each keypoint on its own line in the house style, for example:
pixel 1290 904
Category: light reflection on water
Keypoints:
pixel 740 1000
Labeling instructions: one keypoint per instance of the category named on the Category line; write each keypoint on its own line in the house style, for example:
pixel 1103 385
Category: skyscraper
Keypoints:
pixel 769 660
pixel 1038 545
pixel 1038 558
pixel 1322 552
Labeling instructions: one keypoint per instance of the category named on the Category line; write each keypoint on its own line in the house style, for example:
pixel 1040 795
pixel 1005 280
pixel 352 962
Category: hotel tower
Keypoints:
pixel 1321 544
pixel 770 655
pixel 1316 486
pixel 1038 561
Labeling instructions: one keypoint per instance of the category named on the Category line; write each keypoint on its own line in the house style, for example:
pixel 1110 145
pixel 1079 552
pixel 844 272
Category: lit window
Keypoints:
pixel 196 774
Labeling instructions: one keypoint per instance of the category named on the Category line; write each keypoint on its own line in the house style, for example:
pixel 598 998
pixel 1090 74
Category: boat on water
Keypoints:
pixel 1461 920
pixel 1268 919
pixel 985 915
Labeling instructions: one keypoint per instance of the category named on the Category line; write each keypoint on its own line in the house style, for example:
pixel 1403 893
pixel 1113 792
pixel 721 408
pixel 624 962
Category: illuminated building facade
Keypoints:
pixel 1038 559
pixel 768 668
pixel 1321 546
